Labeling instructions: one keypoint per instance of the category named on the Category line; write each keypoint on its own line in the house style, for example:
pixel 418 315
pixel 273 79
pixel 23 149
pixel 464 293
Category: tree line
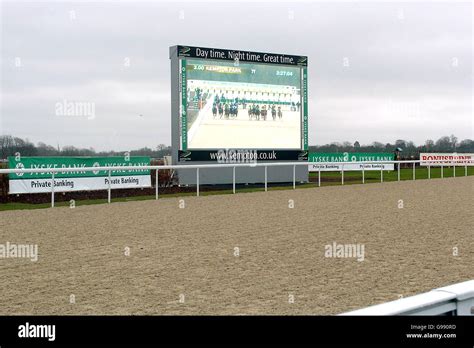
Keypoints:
pixel 10 145
pixel 408 148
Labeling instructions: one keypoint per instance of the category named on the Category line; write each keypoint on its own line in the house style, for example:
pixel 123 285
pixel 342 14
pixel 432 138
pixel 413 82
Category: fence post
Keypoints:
pixel 197 181
pixel 429 171
pixel 265 178
pixel 442 171
pixel 319 178
pixel 294 176
pixel 342 176
pixel 108 188
pixel 233 179
pixel 52 191
pixel 413 170
pixel 454 169
pixel 156 184
pixel 381 174
pixel 398 167
pixel 465 170
pixel 363 174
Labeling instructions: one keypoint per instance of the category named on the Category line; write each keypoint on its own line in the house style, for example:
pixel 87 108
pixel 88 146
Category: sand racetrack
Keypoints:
pixel 190 251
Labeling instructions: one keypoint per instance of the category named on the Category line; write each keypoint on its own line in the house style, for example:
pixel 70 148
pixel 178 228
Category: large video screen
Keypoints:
pixel 242 105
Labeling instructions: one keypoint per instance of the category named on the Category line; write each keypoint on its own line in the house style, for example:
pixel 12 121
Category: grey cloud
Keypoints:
pixel 400 82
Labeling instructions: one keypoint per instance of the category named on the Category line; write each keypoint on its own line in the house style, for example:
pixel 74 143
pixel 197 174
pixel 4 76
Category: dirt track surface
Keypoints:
pixel 190 251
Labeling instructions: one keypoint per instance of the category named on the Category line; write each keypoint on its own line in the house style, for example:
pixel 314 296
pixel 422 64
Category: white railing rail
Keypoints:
pixel 456 299
pixel 197 167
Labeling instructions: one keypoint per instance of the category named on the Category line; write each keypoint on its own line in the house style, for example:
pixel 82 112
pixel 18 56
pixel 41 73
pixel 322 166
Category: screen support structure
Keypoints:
pixel 215 176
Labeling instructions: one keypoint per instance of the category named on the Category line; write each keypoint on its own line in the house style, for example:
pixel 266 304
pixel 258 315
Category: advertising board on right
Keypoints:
pixel 446 159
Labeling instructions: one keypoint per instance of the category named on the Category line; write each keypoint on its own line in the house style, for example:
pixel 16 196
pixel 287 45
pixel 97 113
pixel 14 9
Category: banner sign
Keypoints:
pixel 77 180
pixel 305 109
pixel 349 157
pixel 446 159
pixel 242 155
pixel 243 56
pixel 184 106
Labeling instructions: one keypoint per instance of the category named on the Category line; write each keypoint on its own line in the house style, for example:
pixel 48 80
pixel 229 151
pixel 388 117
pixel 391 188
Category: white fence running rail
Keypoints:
pixel 441 164
pixel 456 299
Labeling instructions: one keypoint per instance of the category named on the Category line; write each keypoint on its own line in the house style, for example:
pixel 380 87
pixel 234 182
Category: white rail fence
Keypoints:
pixel 456 299
pixel 110 169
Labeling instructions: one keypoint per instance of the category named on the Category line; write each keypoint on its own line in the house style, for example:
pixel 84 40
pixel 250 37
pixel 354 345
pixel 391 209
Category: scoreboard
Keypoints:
pixel 232 106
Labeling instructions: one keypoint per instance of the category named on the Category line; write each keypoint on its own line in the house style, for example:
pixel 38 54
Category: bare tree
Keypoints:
pixel 454 141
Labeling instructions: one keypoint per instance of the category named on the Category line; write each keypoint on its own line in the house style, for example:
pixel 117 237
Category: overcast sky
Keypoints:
pixel 377 71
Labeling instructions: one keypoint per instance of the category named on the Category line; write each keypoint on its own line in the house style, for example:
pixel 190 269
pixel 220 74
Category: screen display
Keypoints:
pixel 242 105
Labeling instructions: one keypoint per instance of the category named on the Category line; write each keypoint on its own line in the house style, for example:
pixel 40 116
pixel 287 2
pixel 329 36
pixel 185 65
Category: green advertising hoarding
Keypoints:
pixel 184 106
pixel 78 179
pixel 331 161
